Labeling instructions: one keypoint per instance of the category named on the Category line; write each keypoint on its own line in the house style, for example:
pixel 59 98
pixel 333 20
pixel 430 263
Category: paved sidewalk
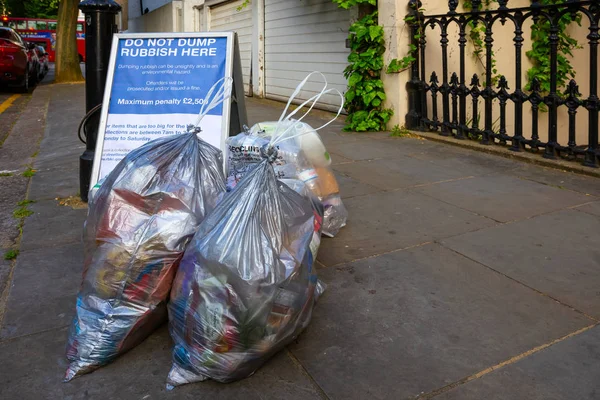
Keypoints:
pixel 460 275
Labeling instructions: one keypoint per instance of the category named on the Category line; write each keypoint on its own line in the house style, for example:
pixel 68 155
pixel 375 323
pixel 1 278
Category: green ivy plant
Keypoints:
pixel 347 4
pixel 365 94
pixel 539 53
pixel 244 4
pixel 540 50
pixel 476 33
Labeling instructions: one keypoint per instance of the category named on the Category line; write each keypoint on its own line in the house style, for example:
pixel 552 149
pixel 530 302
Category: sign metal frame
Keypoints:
pixel 232 69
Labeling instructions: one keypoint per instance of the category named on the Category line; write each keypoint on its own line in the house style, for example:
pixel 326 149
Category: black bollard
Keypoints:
pixel 100 26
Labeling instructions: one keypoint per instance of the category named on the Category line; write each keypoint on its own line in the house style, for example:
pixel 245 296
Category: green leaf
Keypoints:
pixel 360 115
pixel 393 66
pixel 375 31
pixel 350 95
pixel 368 97
pixel 354 79
pixel 361 31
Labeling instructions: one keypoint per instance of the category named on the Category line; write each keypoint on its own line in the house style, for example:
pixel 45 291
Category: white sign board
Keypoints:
pixel 155 87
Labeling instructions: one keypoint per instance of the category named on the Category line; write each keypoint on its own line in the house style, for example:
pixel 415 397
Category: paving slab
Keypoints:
pixel 350 187
pixel 55 154
pixel 369 135
pixel 370 149
pixel 5 268
pixel 58 181
pixel 338 159
pixel 397 325
pixel 33 368
pixel 504 198
pixel 65 111
pixel 471 163
pixel 12 190
pixel 52 225
pixel 23 141
pixel 397 173
pixel 565 371
pixel 557 254
pixel 590 208
pixel 430 150
pixel 557 178
pixel 43 290
pixel 67 97
pixel 261 111
pixel 331 139
pixel 389 221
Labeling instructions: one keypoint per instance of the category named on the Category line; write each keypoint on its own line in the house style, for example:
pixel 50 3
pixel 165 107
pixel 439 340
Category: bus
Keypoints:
pixel 42 32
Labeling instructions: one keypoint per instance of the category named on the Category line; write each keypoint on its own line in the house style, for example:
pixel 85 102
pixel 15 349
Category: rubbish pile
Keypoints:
pixel 228 257
pixel 304 158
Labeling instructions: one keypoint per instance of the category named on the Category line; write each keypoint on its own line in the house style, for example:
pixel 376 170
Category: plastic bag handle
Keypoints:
pixel 297 91
pixel 312 99
pixel 211 101
pixel 338 112
pixel 281 137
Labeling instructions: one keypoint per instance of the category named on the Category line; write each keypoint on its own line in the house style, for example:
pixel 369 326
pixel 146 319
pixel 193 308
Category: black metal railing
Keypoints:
pixel 455 91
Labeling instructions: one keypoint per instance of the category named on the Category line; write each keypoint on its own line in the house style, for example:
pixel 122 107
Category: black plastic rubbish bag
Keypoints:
pixel 138 225
pixel 246 285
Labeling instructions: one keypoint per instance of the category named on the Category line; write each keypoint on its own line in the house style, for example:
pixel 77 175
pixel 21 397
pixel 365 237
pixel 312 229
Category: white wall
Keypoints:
pixel 160 20
pixel 191 15
pixel 164 15
pixel 152 5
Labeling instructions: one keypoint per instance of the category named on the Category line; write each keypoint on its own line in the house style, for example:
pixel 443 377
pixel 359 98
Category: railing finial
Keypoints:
pixel 452 6
pixel 415 5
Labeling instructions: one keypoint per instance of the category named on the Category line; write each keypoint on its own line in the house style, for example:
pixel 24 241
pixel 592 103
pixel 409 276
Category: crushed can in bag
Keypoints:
pixel 139 222
pixel 247 283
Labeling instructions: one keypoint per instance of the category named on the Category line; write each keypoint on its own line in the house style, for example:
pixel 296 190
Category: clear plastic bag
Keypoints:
pixel 244 152
pixel 246 285
pixel 139 223
pixel 310 163
pixel 301 155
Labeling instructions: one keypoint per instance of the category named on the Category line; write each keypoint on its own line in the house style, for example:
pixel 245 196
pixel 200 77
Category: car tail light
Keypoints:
pixel 7 47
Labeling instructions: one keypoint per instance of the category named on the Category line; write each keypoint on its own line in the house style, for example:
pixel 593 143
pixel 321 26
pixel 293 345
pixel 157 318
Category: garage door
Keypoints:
pixel 301 37
pixel 226 17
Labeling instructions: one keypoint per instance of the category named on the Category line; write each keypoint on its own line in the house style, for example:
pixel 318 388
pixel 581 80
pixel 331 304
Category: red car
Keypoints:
pixel 19 63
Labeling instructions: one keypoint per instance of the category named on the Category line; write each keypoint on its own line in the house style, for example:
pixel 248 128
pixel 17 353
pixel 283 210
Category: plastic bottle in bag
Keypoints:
pixel 312 168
